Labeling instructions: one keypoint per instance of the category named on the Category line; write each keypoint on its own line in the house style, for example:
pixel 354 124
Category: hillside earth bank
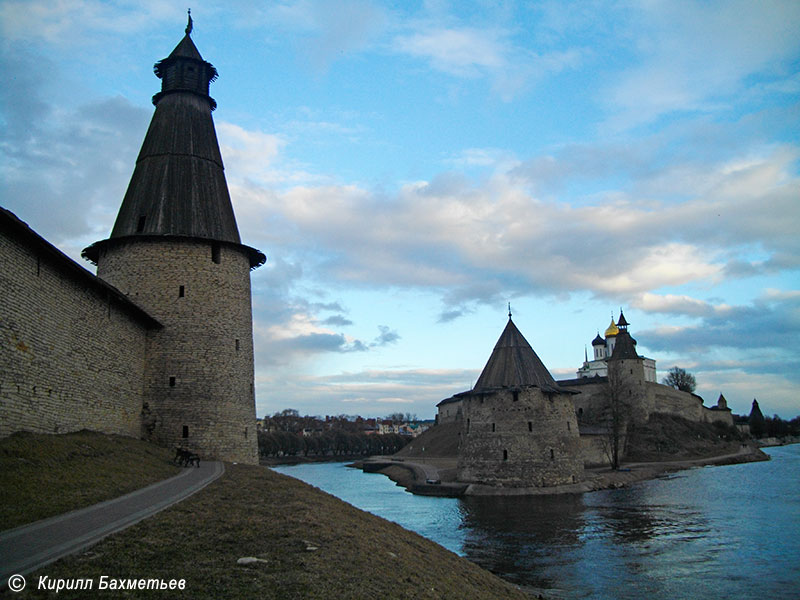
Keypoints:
pixel 303 543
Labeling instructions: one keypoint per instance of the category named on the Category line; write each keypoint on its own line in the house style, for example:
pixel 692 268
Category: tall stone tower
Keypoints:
pixel 626 369
pixel 175 250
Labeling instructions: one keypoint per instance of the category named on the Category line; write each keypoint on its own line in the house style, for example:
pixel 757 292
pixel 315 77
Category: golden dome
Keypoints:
pixel 612 329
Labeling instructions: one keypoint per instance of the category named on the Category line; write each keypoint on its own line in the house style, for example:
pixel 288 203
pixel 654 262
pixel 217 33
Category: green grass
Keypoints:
pixel 46 475
pixel 253 511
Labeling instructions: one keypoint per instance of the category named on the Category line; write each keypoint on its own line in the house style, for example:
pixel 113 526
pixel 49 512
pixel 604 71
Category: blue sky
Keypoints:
pixel 410 168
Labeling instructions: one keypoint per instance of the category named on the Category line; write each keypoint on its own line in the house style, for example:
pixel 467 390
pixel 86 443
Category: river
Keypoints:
pixel 713 532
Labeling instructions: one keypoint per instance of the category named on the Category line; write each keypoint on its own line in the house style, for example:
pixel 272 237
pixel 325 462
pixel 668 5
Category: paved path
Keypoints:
pixel 30 547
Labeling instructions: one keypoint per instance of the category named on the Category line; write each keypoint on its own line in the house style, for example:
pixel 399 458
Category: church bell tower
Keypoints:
pixel 175 251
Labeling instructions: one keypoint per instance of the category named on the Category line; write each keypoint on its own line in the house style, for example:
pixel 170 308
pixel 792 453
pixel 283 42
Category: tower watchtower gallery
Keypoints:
pixel 175 251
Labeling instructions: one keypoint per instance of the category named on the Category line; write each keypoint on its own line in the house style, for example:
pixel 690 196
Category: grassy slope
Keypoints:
pixel 669 438
pixel 438 441
pixel 252 511
pixel 46 475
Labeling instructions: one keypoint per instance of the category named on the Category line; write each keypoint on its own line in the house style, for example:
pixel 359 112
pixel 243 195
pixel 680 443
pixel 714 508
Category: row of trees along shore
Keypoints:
pixel 287 433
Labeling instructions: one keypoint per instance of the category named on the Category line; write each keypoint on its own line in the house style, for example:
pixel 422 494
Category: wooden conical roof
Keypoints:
pixel 513 363
pixel 178 186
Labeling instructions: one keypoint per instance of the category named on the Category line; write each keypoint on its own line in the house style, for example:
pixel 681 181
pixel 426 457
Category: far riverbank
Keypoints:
pixel 437 476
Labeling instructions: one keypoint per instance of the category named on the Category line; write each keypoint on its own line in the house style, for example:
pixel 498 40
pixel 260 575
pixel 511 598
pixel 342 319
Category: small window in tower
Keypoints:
pixel 185 431
pixel 505 454
pixel 580 412
pixel 492 427
pixel 215 253
pixel 181 292
pixel 245 433
pixel 530 425
pixel 140 224
pixel 569 427
pixel 171 382
pixel 552 454
pixel 467 425
pixel 237 344
pixel 516 395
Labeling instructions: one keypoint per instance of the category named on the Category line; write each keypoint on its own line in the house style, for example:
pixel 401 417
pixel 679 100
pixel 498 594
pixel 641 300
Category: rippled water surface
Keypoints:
pixel 715 532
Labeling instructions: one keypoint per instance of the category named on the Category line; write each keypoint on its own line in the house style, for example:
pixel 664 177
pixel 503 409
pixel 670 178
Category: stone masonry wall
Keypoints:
pixel 521 438
pixel 72 355
pixel 200 370
pixel 675 402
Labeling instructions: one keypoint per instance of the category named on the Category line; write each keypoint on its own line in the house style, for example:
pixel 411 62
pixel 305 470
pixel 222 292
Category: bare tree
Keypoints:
pixel 680 379
pixel 617 400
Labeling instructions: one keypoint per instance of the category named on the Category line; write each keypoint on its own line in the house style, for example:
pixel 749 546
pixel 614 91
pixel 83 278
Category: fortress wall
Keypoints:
pixel 199 380
pixel 449 413
pixel 714 415
pixel 674 402
pixel 529 441
pixel 72 353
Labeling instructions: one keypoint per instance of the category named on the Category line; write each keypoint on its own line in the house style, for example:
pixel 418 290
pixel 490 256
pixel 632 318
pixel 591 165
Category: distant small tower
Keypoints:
pixel 175 250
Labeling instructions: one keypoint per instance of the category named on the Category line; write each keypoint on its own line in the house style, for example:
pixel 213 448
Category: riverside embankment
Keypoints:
pixel 436 476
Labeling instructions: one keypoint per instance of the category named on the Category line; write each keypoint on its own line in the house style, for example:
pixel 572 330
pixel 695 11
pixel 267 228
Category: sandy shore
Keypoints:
pixel 418 475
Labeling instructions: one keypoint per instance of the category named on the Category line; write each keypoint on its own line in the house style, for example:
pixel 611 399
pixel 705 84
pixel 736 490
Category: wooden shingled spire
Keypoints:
pixel 178 186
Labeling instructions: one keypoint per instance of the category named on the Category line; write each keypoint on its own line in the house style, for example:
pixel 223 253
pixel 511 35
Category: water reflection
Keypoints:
pixel 511 536
pixel 725 532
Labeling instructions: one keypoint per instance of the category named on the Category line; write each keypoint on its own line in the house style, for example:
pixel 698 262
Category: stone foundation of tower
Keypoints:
pixel 199 370
pixel 519 438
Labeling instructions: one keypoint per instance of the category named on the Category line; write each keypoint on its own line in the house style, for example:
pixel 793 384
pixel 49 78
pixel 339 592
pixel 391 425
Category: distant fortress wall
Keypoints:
pixel 657 398
pixel 72 348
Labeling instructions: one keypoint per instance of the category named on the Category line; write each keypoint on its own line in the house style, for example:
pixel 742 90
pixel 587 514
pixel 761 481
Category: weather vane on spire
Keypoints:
pixel 509 310
pixel 189 24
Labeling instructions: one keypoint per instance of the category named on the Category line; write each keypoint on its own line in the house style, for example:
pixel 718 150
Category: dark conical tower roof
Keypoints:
pixel 514 363
pixel 625 346
pixel 178 186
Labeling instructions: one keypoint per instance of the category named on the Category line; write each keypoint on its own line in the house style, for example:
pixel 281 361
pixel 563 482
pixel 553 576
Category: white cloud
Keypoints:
pixel 461 52
pixel 253 153
pixel 695 56
pixel 673 304
pixel 485 51
pixel 79 22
